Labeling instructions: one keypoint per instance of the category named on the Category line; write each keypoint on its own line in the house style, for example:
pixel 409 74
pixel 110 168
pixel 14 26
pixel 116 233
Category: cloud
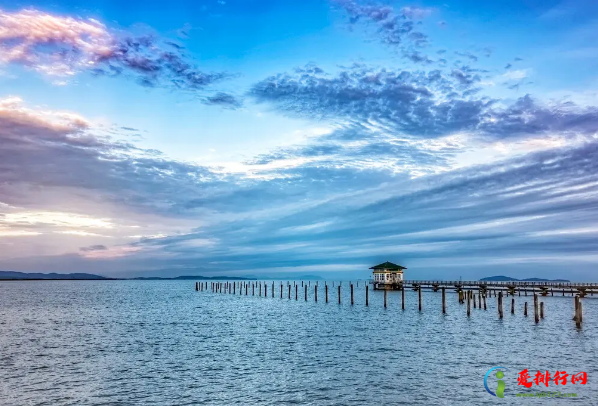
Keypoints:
pixel 419 104
pixel 224 99
pixel 64 46
pixel 94 248
pixel 393 27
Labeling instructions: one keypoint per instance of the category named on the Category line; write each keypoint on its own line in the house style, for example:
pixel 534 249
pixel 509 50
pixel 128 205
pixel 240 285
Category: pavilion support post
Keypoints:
pixel 367 295
pixel 525 309
pixel 419 293
pixel 480 299
pixel 403 297
pixel 385 295
pixel 500 309
pixel 352 301
pixel 513 306
pixel 536 314
pixel 443 300
pixel 484 302
pixel 473 297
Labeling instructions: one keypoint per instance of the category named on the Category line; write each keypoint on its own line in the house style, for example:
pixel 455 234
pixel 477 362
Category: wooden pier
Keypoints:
pixel 466 292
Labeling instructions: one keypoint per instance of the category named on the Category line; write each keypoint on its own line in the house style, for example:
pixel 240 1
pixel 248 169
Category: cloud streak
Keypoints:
pixel 64 46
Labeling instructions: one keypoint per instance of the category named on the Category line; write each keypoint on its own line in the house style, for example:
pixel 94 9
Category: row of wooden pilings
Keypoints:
pixel 465 296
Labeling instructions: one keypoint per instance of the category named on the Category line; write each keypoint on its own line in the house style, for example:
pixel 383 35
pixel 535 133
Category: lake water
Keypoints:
pixel 163 343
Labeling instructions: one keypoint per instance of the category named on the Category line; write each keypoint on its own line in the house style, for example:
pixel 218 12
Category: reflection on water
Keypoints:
pixel 163 343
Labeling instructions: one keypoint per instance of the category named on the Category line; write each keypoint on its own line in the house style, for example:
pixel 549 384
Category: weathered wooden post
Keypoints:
pixel 296 291
pixel 468 304
pixel 473 297
pixel 339 294
pixel 525 309
pixel 234 288
pixel 352 301
pixel 541 310
pixel 480 299
pixel 403 297
pixel 513 306
pixel 281 290
pixel 266 289
pixel 536 315
pixel 500 309
pixel 367 295
pixel 385 294
pixel 419 293
pixel 443 300
pixel 326 291
pixel 579 312
pixel 196 286
pixel 272 289
pixel 289 291
pixel 306 293
pixel 246 287
pixel 316 292
pixel 484 297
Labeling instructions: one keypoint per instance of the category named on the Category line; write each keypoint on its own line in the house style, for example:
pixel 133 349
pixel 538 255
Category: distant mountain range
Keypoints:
pixel 10 275
pixel 501 278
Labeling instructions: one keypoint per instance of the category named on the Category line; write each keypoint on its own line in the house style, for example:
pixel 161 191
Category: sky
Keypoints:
pixel 286 138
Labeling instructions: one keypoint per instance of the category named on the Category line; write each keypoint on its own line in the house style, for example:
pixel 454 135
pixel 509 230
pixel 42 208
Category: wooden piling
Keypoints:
pixel 196 286
pixel 484 297
pixel 272 289
pixel 234 287
pixel 513 306
pixel 339 294
pixel 541 310
pixel 525 309
pixel 289 291
pixel 536 314
pixel 296 291
pixel 306 293
pixel 403 297
pixel 367 295
pixel 326 292
pixel 419 293
pixel 266 289
pixel 473 297
pixel 443 300
pixel 500 309
pixel 352 301
pixel 316 292
pixel 385 295
pixel 468 304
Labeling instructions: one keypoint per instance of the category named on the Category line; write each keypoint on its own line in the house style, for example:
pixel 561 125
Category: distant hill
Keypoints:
pixel 10 275
pixel 502 278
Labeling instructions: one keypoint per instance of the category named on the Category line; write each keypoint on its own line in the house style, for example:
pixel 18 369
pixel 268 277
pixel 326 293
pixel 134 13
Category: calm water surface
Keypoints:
pixel 162 343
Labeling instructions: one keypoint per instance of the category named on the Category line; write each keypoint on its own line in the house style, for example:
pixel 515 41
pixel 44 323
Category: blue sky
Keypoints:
pixel 299 137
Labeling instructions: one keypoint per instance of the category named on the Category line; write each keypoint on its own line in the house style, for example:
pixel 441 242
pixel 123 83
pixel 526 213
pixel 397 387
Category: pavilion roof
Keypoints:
pixel 389 265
